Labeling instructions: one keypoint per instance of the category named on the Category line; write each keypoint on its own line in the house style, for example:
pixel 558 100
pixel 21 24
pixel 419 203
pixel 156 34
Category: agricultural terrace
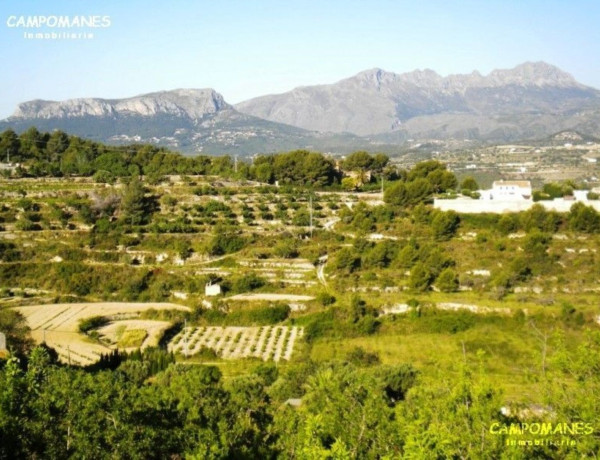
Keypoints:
pixel 58 325
pixel 370 278
pixel 266 343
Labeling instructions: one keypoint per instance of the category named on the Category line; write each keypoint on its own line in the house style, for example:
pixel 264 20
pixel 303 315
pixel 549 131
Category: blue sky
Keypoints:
pixel 249 48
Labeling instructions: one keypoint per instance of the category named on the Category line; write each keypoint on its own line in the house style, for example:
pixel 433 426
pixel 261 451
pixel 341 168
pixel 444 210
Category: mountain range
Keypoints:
pixel 374 109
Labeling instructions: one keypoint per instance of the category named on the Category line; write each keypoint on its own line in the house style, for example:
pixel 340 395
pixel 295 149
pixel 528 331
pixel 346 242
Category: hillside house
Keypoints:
pixel 212 289
pixel 508 190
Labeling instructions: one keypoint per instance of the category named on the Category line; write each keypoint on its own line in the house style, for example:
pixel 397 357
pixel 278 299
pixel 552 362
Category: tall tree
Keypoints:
pixel 9 145
pixel 137 208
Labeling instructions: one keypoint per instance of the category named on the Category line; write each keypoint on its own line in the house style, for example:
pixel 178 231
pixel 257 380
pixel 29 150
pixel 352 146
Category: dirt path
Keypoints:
pixel 321 271
pixel 273 297
pixel 404 308
pixel 331 223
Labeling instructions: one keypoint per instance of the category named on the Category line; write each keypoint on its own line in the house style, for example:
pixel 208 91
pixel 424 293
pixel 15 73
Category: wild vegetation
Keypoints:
pixel 348 323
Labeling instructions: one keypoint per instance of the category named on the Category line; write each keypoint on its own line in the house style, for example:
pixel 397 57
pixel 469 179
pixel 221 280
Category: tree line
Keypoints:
pixel 347 408
pixel 59 154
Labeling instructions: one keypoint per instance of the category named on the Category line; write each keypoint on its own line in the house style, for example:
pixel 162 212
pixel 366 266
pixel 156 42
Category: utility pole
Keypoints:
pixel 8 156
pixel 235 163
pixel 310 209
pixel 382 186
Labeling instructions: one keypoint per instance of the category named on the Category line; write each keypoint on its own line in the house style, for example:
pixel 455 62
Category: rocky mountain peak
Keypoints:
pixel 532 74
pixel 534 99
pixel 422 78
pixel 190 103
pixel 375 101
pixel 372 77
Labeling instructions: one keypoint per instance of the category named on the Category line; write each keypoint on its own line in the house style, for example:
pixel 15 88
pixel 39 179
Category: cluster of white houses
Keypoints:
pixel 511 196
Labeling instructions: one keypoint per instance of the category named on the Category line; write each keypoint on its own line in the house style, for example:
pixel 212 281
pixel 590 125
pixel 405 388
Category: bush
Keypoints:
pixel 104 177
pixel 28 205
pixel 268 372
pixel 570 316
pixel 540 196
pixel 286 249
pixel 225 243
pixel 319 326
pixel 94 322
pixel 584 218
pixel 367 325
pixel 447 281
pixel 397 381
pixel 408 256
pixel 8 251
pixel 380 255
pixel 261 316
pixel 26 225
pixel 301 218
pixel 325 299
pixel 420 278
pixel 536 244
pixel 360 357
pixel 445 224
pixel 347 259
pixel 469 184
pixel 247 283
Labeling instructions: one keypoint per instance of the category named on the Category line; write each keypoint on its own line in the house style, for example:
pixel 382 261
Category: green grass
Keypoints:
pixel 132 338
pixel 512 357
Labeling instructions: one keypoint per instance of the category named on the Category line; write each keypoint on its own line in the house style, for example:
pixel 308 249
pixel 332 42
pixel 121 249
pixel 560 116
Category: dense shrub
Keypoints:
pixel 420 278
pixel 397 381
pixel 447 281
pixel 360 357
pixel 94 322
pixel 262 316
pixel 347 259
pixel 445 224
pixel 247 282
pixel 325 299
pixel 8 251
pixel 584 218
pixel 225 243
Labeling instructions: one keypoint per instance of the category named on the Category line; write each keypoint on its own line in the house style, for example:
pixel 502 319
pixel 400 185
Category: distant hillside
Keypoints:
pixel 531 100
pixel 190 120
pixel 374 110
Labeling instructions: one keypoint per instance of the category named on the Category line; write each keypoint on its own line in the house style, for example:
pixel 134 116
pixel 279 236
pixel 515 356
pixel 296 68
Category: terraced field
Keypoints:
pixel 267 342
pixel 57 325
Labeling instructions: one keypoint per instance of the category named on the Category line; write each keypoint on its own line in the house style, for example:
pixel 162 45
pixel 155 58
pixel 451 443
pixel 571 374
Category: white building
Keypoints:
pixel 508 190
pixel 212 290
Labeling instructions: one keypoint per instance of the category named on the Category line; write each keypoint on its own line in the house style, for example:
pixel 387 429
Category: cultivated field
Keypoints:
pixel 267 342
pixel 115 331
pixel 57 325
